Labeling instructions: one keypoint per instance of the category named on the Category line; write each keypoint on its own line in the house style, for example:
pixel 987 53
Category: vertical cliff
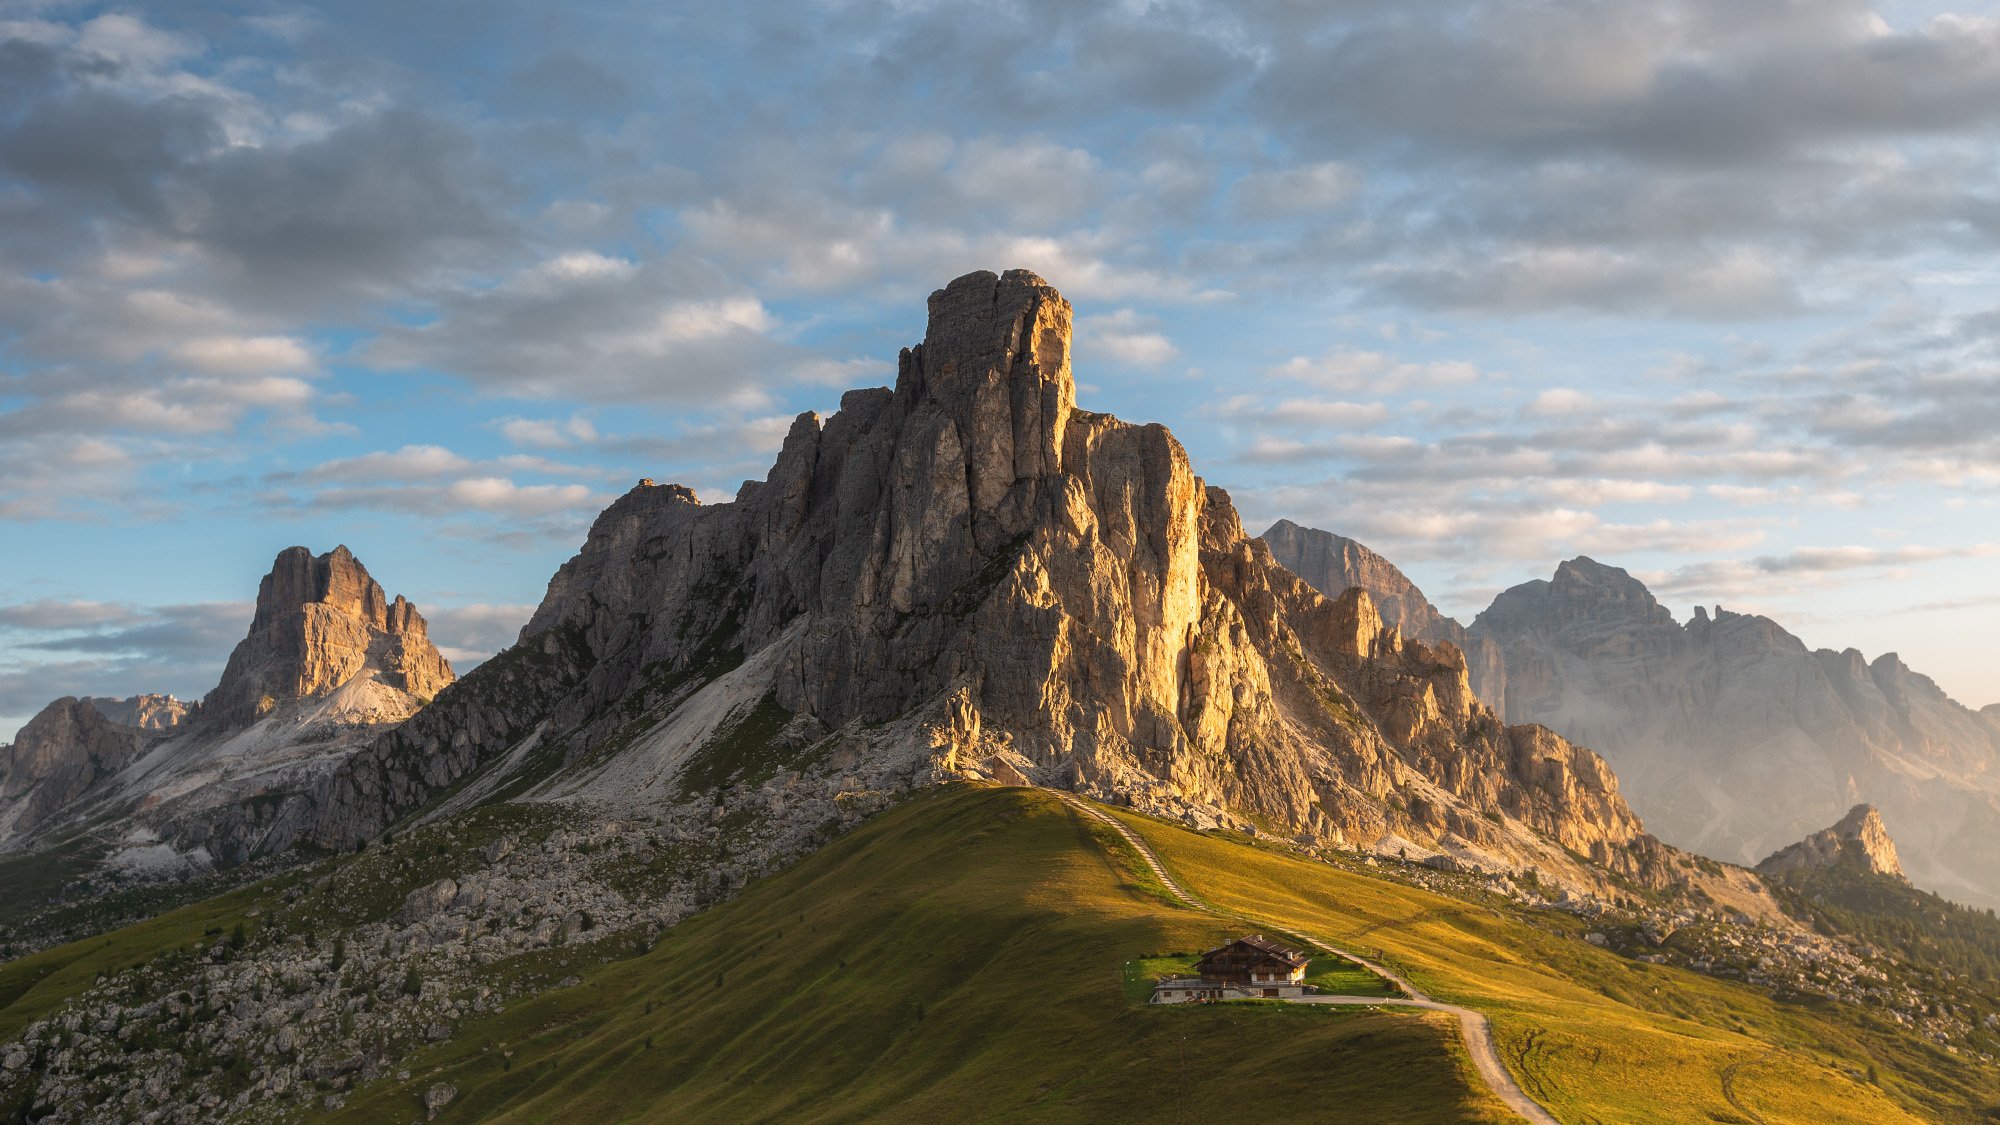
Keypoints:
pixel 320 622
pixel 1333 563
pixel 968 575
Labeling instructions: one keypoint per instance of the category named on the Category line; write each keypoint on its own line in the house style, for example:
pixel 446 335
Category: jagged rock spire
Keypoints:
pixel 991 382
pixel 321 621
pixel 1859 836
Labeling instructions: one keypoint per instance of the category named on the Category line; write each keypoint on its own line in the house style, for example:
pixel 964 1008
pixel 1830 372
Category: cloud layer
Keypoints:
pixel 1695 285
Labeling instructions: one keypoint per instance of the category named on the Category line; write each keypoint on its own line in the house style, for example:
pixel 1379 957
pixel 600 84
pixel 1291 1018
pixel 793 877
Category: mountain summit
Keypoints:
pixel 158 787
pixel 320 623
pixel 1860 837
pixel 1333 564
pixel 970 576
pixel 1734 738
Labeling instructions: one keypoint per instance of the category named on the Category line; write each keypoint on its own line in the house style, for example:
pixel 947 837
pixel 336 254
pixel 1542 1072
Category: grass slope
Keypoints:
pixel 1593 1036
pixel 980 953
pixel 959 957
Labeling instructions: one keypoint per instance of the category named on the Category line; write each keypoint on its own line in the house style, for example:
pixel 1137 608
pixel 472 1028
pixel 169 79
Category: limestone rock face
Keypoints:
pixel 969 576
pixel 1334 563
pixel 61 754
pixel 147 712
pixel 320 622
pixel 1734 739
pixel 329 662
pixel 1860 838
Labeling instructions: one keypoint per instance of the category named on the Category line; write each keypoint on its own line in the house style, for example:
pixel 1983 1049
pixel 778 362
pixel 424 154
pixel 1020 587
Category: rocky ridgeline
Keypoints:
pixel 63 753
pixel 1001 585
pixel 1738 739
pixel 147 712
pixel 1731 737
pixel 1334 564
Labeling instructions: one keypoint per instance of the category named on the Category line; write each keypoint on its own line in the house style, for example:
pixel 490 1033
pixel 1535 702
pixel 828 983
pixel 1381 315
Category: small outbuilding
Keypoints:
pixel 1248 968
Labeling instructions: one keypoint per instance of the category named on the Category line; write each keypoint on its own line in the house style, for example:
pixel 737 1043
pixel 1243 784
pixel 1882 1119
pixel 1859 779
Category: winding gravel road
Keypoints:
pixel 1478 1034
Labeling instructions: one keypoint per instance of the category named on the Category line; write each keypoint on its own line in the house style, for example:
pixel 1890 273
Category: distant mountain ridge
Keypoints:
pixel 1731 737
pixel 328 661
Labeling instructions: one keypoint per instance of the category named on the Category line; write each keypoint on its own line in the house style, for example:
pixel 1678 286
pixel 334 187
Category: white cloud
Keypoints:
pixel 549 433
pixel 1352 370
pixel 1287 193
pixel 1124 337
pixel 1557 401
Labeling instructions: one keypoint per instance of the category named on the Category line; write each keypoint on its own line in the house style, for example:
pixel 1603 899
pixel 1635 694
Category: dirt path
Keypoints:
pixel 1472 1026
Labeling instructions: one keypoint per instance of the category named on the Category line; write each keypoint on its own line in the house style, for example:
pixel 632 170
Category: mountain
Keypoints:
pixel 968 576
pixel 1333 564
pixel 64 752
pixel 1859 838
pixel 329 661
pixel 1733 738
pixel 739 828
pixel 322 624
pixel 147 712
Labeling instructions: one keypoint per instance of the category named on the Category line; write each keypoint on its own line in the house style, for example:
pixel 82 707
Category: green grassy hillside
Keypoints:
pixel 1594 1036
pixel 959 957
pixel 978 953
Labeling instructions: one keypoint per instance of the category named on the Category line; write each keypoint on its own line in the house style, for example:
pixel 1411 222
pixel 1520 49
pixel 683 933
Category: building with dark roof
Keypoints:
pixel 1248 968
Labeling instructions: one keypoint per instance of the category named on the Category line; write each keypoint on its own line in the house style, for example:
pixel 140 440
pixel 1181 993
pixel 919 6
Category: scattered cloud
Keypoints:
pixel 1291 193
pixel 1124 338
pixel 52 648
pixel 469 634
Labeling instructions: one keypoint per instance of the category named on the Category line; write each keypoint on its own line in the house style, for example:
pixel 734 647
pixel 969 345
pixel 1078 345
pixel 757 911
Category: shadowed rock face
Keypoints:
pixel 1333 563
pixel 60 755
pixel 987 581
pixel 320 622
pixel 1860 837
pixel 1734 739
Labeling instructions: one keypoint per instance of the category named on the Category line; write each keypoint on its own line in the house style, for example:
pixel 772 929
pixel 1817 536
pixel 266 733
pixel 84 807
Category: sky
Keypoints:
pixel 1699 288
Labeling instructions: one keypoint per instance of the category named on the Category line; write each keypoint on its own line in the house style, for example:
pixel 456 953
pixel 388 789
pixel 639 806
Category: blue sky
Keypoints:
pixel 1698 288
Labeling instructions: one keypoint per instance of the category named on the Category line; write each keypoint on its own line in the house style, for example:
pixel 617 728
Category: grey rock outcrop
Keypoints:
pixel 1735 739
pixel 1333 563
pixel 63 753
pixel 147 712
pixel 328 663
pixel 320 622
pixel 988 581
pixel 1859 838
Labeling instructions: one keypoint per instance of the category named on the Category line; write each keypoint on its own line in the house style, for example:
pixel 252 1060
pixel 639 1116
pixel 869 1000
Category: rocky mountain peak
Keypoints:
pixel 1333 563
pixel 992 383
pixel 60 754
pixel 320 622
pixel 1584 578
pixel 1859 837
pixel 1583 595
pixel 147 712
pixel 968 576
